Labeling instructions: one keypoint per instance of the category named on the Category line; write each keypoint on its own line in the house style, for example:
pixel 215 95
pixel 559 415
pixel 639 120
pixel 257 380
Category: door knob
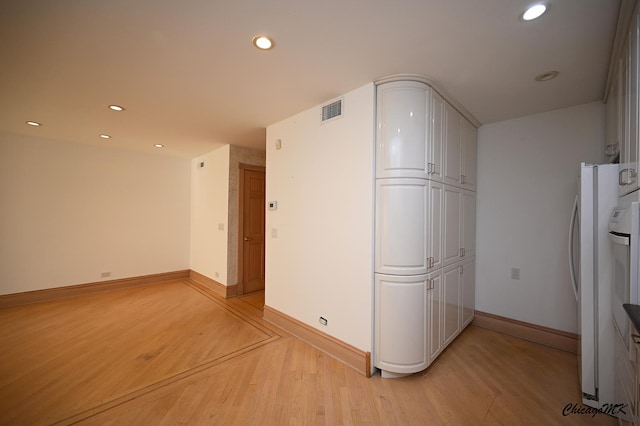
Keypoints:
pixel 246 238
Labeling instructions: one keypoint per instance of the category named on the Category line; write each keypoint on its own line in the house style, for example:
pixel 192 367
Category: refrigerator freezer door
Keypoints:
pixel 586 295
pixel 597 198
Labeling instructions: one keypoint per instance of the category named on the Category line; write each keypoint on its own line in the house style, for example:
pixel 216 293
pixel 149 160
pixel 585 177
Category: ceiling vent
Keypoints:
pixel 332 111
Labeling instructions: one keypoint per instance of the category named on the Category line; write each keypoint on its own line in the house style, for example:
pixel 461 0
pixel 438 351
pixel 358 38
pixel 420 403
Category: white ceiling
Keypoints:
pixel 189 77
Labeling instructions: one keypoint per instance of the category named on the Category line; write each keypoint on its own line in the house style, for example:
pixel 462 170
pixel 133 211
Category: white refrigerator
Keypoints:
pixel 591 267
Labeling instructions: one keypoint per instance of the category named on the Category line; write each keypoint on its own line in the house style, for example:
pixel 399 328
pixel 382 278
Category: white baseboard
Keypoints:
pixel 349 355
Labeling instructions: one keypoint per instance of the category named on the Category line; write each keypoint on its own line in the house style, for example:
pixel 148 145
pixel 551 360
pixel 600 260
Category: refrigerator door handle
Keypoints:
pixel 572 266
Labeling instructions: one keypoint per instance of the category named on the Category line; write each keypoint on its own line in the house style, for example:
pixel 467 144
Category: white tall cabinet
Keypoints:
pixel 424 226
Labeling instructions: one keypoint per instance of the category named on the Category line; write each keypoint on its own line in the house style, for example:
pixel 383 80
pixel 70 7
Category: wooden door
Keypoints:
pixel 253 197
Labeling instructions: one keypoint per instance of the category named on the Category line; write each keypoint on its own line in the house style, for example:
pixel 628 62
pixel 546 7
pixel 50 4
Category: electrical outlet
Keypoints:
pixel 105 274
pixel 515 273
pixel 323 321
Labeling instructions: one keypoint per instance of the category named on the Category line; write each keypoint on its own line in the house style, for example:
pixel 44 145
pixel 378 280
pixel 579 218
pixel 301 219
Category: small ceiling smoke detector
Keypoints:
pixel 33 123
pixel 534 11
pixel 116 108
pixel 262 42
pixel 546 76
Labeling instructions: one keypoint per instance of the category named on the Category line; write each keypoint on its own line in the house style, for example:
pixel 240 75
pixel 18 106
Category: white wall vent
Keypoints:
pixel 332 111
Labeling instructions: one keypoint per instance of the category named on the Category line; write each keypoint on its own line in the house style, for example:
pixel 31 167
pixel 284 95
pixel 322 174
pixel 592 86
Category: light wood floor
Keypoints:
pixel 174 354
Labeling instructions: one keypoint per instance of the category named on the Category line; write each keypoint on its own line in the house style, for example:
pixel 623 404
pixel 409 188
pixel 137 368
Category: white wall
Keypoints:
pixel 69 212
pixel 527 180
pixel 321 263
pixel 209 214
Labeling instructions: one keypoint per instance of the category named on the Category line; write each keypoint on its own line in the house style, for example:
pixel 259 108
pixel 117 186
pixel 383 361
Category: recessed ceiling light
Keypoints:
pixel 103 136
pixel 159 145
pixel 33 123
pixel 116 107
pixel 546 76
pixel 534 11
pixel 262 42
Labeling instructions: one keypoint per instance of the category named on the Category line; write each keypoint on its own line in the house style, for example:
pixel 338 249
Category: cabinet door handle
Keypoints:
pixel 630 175
pixel 461 269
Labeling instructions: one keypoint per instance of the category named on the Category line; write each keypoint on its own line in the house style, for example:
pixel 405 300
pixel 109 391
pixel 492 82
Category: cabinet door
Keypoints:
pixel 451 212
pixel 627 173
pixel 633 99
pixel 402 211
pixel 452 169
pixel 629 157
pixel 469 135
pixel 625 382
pixel 468 211
pixel 401 334
pixel 468 289
pixel 611 120
pixel 434 236
pixel 435 147
pixel 451 303
pixel 434 300
pixel 401 134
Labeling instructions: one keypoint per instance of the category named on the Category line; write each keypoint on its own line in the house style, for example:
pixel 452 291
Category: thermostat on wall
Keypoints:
pixel 273 205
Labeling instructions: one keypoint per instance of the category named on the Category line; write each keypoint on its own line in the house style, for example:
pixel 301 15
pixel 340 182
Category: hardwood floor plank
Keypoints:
pixel 111 358
pixel 110 345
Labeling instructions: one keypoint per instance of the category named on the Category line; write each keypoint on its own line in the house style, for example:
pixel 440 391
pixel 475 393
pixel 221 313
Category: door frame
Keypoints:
pixel 241 169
